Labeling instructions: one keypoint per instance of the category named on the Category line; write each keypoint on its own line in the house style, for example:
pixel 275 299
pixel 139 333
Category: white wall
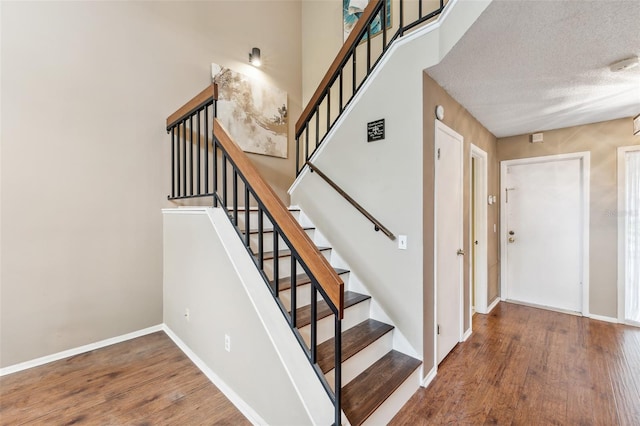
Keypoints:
pixel 208 271
pixel 86 89
pixel 385 177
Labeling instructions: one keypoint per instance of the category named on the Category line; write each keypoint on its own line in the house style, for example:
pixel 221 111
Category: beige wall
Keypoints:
pixel 601 140
pixel 460 120
pixel 86 87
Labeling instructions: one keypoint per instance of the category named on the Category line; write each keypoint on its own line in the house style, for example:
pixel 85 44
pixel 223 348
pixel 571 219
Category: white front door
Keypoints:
pixel 543 232
pixel 448 236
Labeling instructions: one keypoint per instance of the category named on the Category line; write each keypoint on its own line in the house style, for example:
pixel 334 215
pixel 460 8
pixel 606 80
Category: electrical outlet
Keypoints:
pixel 402 242
pixel 227 343
pixel 187 315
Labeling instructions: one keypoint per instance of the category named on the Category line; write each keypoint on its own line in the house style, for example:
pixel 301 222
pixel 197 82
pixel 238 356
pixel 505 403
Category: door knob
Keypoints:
pixel 460 252
pixel 512 240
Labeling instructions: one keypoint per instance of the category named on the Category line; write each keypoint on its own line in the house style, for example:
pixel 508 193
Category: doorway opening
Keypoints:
pixel 629 235
pixel 478 231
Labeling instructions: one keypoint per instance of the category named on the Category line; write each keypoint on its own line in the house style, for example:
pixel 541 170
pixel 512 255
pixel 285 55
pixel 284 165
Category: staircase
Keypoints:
pixel 376 379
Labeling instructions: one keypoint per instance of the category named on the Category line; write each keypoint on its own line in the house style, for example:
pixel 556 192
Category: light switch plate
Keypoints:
pixel 402 242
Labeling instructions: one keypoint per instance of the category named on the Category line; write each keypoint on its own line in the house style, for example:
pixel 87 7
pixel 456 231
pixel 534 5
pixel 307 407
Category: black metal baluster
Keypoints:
pixel 369 47
pixel 341 90
pixel 314 323
pixel 384 25
pixel 191 153
pixel 234 191
pixel 215 172
pixel 184 157
pixel 206 154
pixel 173 162
pixel 419 8
pixel 178 186
pixel 328 110
pixel 354 74
pixel 260 240
pixel 199 149
pixel 276 263
pixel 224 181
pixel 294 292
pixel 297 154
pixel 246 215
pixel 401 25
pixel 317 126
pixel 306 134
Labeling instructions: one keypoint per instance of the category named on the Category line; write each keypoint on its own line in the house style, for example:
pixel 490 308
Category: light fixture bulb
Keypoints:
pixel 254 57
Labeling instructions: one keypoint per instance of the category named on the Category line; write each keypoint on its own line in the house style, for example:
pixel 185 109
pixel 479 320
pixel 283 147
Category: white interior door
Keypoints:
pixel 544 232
pixel 448 230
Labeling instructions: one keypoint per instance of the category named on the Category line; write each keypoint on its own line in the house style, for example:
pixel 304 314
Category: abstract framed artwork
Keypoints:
pixel 254 113
pixel 351 12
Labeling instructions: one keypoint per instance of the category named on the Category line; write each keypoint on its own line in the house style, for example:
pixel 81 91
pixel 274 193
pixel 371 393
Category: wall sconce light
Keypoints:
pixel 254 57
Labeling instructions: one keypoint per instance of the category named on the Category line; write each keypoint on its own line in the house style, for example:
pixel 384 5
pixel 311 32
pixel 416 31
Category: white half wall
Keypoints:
pixel 208 272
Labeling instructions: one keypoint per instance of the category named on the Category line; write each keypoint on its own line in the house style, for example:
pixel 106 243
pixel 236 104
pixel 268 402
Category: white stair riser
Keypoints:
pixel 396 401
pixel 359 362
pixel 303 296
pixel 352 316
pixel 284 265
pixel 267 241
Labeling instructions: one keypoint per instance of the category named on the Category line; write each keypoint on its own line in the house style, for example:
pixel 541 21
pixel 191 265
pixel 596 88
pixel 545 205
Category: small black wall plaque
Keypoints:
pixel 375 130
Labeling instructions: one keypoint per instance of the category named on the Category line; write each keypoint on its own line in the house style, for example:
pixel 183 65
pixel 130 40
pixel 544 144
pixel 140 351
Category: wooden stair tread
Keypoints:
pixel 354 340
pixel 364 394
pixel 267 255
pixel 303 314
pixel 301 279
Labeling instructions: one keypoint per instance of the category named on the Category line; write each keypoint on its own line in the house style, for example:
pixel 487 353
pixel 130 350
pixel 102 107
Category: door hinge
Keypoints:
pixel 438 153
pixel 438 328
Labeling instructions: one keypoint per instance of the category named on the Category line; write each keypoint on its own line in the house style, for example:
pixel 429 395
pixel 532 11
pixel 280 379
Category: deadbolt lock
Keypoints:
pixel 460 252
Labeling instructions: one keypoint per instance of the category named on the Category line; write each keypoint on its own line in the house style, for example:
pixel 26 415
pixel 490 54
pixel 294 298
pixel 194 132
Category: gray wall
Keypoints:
pixel 86 89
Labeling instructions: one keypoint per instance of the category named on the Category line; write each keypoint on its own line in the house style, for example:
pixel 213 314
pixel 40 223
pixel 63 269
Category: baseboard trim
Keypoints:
pixel 493 305
pixel 235 399
pixel 79 350
pixel 466 334
pixel 603 318
pixel 429 378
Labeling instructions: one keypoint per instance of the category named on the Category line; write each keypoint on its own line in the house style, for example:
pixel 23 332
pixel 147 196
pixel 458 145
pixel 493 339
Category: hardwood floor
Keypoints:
pixel 145 381
pixel 527 366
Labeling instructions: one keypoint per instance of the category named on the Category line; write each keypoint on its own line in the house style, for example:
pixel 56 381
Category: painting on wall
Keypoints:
pixel 351 12
pixel 254 113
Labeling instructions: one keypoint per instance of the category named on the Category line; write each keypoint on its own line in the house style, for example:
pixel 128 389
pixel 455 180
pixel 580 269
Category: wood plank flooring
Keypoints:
pixel 145 381
pixel 528 366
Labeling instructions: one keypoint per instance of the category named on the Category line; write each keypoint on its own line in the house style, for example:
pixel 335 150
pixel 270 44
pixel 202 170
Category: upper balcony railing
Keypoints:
pixel 381 23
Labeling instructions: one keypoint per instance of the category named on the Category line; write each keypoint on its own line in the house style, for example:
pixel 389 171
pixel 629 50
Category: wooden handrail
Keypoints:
pixel 309 254
pixel 353 39
pixel 376 223
pixel 211 91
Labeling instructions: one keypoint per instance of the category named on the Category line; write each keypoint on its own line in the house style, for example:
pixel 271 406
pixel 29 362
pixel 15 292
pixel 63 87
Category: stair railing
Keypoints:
pixel 267 229
pixel 189 128
pixel 358 57
pixel 377 225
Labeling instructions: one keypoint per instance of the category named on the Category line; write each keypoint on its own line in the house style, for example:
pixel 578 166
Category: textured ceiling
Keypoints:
pixel 527 66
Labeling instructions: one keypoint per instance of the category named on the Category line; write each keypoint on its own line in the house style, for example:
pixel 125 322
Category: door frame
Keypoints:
pixel 440 126
pixel 585 168
pixel 622 168
pixel 480 261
